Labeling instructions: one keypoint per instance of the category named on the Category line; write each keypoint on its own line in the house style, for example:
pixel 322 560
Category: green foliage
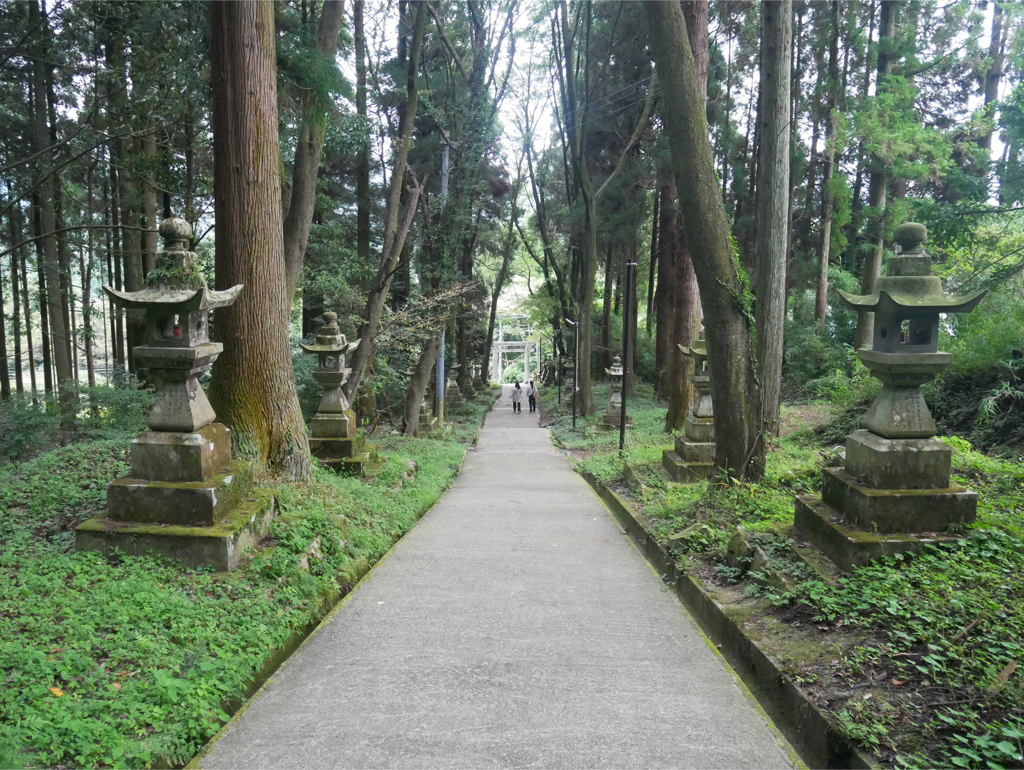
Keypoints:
pixel 30 424
pixel 131 662
pixel 513 372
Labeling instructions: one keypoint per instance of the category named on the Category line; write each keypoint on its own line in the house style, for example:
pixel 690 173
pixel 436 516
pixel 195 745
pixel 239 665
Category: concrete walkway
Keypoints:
pixel 515 626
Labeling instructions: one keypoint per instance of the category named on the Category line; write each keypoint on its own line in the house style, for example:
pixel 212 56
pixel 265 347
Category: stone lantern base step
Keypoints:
pixel 695 451
pixel 897 510
pixel 355 465
pixel 685 472
pixel 427 422
pixel 609 421
pixel 325 449
pixel 179 503
pixel 219 546
pixel 847 547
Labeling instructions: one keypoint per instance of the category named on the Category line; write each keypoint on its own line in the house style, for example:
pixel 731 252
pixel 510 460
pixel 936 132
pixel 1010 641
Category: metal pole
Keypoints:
pixel 558 372
pixel 627 313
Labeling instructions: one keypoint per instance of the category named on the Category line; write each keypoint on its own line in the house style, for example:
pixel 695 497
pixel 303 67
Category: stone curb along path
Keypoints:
pixel 514 626
pixel 817 740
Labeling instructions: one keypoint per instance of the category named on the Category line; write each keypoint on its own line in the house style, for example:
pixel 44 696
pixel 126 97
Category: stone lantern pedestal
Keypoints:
pixel 184 497
pixel 335 439
pixel 694 456
pixel 893 494
pixel 612 416
pixel 453 396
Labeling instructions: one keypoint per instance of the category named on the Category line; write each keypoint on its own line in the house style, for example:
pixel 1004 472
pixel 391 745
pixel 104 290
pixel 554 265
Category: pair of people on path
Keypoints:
pixel 517 397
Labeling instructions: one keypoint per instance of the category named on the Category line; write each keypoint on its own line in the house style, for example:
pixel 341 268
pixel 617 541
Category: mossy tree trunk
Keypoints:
pixel 723 293
pixel 253 385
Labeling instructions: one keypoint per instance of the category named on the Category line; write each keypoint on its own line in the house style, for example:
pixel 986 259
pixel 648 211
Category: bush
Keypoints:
pixel 513 372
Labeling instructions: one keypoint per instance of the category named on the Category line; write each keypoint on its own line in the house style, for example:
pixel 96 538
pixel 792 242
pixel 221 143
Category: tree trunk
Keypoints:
pixel 47 226
pixel 879 183
pixel 416 390
pixel 606 309
pixel 308 147
pixel 5 373
pixel 253 384
pixel 686 296
pixel 827 204
pixel 668 245
pixel 394 231
pixel 723 295
pixel 653 263
pixel 773 207
pixel 994 73
pixel 27 311
pixel 15 231
pixel 363 161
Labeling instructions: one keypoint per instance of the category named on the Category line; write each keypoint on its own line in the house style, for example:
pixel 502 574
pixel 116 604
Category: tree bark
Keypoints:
pixel 878 183
pixel 417 387
pixel 606 309
pixel 253 384
pixel 723 295
pixel 394 231
pixel 773 205
pixel 15 231
pixel 308 148
pixel 686 296
pixel 994 73
pixel 47 225
pixel 668 245
pixel 827 204
pixel 5 373
pixel 27 311
pixel 363 161
pixel 652 271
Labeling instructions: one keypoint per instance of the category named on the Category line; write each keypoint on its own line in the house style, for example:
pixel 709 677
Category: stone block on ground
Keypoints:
pixel 701 429
pixel 186 504
pixel 160 456
pixel 847 547
pixel 694 451
pixel 897 463
pixel 683 472
pixel 325 449
pixel 897 510
pixel 220 546
pixel 333 425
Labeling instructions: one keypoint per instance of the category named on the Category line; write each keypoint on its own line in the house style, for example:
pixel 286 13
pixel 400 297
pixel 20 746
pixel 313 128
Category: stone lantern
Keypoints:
pixel 453 396
pixel 893 494
pixel 334 438
pixel 694 455
pixel 477 382
pixel 184 497
pixel 612 416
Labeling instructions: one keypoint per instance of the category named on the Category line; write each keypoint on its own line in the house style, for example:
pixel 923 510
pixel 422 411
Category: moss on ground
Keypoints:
pixel 130 662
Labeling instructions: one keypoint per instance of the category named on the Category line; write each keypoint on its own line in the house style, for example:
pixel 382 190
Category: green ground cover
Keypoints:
pixel 130 663
pixel 924 651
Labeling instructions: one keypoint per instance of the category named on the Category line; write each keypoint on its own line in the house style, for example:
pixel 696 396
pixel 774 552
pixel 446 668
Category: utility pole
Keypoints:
pixel 439 382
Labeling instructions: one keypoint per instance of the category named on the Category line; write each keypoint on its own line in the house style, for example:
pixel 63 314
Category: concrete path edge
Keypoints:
pixel 804 727
pixel 279 658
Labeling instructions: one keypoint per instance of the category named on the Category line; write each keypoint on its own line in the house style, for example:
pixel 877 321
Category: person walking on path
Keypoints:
pixel 517 399
pixel 532 393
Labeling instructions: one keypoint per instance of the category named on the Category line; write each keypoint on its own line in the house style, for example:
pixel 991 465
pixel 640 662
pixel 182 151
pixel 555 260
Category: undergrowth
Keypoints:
pixel 131 662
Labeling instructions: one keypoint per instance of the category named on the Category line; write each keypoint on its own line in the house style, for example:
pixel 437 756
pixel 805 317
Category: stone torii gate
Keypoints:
pixel 501 351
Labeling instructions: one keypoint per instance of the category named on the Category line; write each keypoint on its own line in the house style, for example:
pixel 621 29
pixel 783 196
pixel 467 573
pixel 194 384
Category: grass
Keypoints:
pixel 924 651
pixel 130 662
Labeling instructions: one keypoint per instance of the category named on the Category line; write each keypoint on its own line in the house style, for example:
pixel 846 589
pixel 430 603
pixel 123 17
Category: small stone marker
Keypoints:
pixel 893 493
pixel 184 497
pixel 694 455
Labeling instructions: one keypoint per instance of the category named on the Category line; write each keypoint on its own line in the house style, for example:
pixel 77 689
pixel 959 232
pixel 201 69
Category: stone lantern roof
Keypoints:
pixel 616 370
pixel 330 339
pixel 909 285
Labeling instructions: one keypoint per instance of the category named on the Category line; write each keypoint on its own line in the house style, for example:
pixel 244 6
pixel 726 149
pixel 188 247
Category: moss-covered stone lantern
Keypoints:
pixel 184 497
pixel 334 436
pixel 612 416
pixel 694 455
pixel 453 395
pixel 893 493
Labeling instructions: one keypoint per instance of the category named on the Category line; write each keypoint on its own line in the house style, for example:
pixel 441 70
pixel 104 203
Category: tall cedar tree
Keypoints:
pixel 253 385
pixel 772 204
pixel 723 291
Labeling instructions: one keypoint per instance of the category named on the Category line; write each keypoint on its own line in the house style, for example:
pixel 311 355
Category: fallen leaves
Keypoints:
pixel 56 691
